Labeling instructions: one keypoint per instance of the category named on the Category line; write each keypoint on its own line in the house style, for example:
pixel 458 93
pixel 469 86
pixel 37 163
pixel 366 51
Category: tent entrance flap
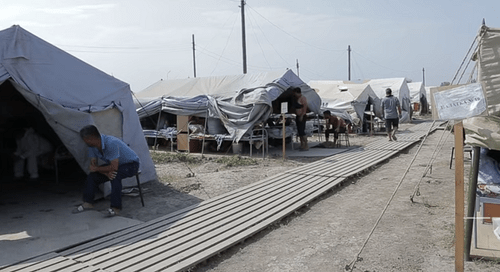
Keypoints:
pixel 16 113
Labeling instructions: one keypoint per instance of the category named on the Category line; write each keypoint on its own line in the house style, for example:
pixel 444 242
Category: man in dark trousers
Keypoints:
pixel 120 162
pixel 391 108
pixel 300 112
pixel 334 125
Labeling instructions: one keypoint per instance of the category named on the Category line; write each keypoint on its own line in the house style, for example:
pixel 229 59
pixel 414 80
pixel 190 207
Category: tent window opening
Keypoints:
pixel 17 117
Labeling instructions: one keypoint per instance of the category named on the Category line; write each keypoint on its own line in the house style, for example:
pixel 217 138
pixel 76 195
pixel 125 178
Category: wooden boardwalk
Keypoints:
pixel 184 238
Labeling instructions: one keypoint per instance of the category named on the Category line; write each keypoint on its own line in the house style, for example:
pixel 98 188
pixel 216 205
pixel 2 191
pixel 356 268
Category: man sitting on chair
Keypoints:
pixel 334 125
pixel 120 162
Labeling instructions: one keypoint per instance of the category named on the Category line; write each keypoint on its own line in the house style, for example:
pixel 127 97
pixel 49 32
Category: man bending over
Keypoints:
pixel 120 162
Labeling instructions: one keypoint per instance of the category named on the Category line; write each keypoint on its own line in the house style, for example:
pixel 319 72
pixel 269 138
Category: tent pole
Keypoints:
pixel 204 133
pixel 472 200
pixel 157 126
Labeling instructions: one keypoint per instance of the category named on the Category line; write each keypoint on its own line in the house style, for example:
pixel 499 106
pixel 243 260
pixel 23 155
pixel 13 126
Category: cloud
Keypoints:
pixel 78 10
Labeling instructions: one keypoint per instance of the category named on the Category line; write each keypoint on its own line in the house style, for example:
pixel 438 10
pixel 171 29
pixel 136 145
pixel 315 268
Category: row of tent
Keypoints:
pixel 240 101
pixel 70 94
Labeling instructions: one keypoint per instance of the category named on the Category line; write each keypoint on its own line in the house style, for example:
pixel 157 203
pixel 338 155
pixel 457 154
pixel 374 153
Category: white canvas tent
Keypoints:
pixel 71 94
pixel 240 101
pixel 418 95
pixel 340 96
pixel 417 90
pixel 399 89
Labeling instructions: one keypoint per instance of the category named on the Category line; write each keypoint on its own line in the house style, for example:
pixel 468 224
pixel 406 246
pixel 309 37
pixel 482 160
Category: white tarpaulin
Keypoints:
pixel 485 131
pixel 340 96
pixel 240 101
pixel 460 102
pixel 70 93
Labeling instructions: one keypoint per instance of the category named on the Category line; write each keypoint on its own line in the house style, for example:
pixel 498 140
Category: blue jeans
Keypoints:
pixel 95 178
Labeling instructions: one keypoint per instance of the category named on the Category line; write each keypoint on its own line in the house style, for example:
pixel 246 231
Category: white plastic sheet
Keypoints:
pixel 460 103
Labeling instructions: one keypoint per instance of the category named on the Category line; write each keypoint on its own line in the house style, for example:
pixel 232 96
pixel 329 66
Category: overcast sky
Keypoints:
pixel 141 42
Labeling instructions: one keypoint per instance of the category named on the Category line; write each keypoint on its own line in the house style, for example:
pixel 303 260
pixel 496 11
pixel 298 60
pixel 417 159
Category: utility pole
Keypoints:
pixel 243 36
pixel 423 76
pixel 194 58
pixel 298 74
pixel 349 62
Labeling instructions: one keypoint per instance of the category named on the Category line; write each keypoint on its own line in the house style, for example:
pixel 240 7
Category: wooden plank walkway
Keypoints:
pixel 184 238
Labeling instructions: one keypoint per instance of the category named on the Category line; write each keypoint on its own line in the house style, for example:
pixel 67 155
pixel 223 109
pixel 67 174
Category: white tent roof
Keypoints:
pixel 417 90
pixel 345 96
pixel 399 89
pixel 239 101
pixel 71 94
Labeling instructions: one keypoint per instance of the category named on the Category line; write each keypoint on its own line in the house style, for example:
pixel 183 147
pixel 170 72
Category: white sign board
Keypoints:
pixel 461 102
pixel 284 107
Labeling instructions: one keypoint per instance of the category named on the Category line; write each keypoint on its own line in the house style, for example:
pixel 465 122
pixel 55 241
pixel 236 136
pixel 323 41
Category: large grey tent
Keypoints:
pixel 240 101
pixel 70 94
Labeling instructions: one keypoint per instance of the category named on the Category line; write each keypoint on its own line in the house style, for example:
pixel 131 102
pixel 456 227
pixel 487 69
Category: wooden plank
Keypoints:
pixel 337 166
pixel 215 220
pixel 44 264
pixel 211 247
pixel 161 221
pixel 342 162
pixel 357 165
pixel 459 197
pixel 29 262
pixel 177 224
pixel 181 242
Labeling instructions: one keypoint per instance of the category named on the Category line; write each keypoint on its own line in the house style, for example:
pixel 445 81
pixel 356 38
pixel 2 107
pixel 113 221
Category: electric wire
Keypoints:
pixel 392 69
pixel 258 42
pixel 270 43
pixel 225 46
pixel 292 36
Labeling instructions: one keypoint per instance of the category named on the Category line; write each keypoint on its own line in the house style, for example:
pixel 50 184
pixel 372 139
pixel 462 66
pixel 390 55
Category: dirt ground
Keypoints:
pixel 327 234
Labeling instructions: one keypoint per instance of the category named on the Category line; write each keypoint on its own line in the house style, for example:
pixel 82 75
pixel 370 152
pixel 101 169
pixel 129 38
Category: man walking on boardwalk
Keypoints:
pixel 392 112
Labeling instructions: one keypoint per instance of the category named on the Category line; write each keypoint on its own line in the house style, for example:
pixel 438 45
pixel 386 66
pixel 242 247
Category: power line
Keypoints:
pixel 270 43
pixel 224 49
pixel 304 42
pixel 382 65
pixel 258 42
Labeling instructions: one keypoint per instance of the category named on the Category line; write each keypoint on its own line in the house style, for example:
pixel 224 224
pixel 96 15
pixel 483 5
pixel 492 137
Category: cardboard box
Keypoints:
pixel 490 210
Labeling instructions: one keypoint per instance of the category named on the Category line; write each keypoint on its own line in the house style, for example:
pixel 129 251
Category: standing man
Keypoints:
pixel 334 125
pixel 392 112
pixel 120 162
pixel 300 112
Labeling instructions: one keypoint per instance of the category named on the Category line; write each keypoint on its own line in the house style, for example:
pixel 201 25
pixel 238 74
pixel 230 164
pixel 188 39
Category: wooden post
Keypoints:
pixel 459 197
pixel 284 135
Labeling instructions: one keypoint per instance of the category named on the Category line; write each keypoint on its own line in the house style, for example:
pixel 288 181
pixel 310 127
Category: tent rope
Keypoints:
pixel 350 266
pixel 437 150
pixel 465 58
